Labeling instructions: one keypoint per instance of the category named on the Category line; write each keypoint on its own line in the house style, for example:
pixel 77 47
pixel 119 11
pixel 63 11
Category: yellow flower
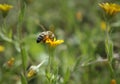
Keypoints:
pixel 2 48
pixel 54 42
pixel 31 73
pixel 10 62
pixel 5 8
pixel 113 81
pixel 79 16
pixel 103 25
pixel 110 8
pixel 34 69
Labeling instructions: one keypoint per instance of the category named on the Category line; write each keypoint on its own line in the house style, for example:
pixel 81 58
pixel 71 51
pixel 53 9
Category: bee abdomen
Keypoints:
pixel 39 39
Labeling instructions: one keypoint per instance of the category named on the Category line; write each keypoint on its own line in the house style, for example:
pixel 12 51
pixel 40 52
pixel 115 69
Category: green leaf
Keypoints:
pixel 23 79
pixel 107 47
pixel 4 37
pixel 48 76
pixel 109 50
pixel 10 34
pixel 24 56
pixel 22 11
pixel 66 76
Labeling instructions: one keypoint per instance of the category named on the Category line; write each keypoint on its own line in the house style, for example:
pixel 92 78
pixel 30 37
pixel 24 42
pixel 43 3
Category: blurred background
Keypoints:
pixel 80 23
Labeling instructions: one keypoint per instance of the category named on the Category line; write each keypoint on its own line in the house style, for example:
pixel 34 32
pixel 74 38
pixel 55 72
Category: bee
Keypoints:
pixel 44 36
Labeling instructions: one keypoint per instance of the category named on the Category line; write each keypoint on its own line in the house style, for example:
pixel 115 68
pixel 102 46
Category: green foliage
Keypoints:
pixel 24 56
pixel 23 79
pixel 87 55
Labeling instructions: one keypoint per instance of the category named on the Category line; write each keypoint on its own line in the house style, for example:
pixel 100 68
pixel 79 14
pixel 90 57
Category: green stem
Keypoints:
pixel 21 43
pixel 51 66
pixel 108 46
pixel 111 70
pixel 51 58
pixel 107 39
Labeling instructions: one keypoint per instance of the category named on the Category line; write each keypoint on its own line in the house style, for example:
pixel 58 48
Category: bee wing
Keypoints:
pixel 52 28
pixel 42 27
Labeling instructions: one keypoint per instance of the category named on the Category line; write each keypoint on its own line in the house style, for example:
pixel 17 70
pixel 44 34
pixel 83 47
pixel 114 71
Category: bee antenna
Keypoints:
pixel 43 28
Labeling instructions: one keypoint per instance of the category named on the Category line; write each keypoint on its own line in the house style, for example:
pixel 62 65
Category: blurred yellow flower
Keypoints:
pixel 5 7
pixel 113 81
pixel 79 16
pixel 10 62
pixel 2 48
pixel 103 25
pixel 31 73
pixel 54 42
pixel 110 8
pixel 34 69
